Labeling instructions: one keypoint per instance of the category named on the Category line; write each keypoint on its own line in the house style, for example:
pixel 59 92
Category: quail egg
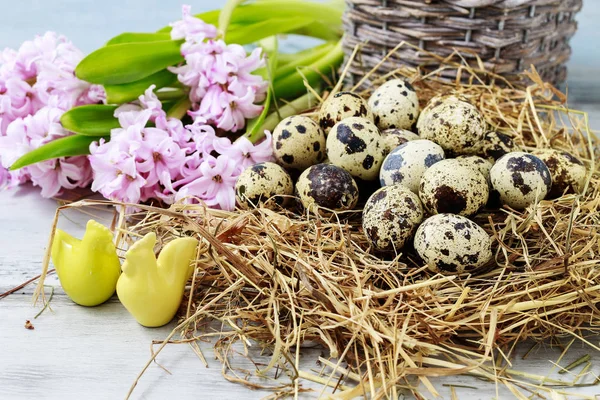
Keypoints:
pixel 497 144
pixel 395 105
pixel 567 171
pixel 265 184
pixel 434 102
pixel 407 163
pixel 478 163
pixel 356 145
pixel 450 187
pixel 395 137
pixel 340 106
pixel 455 125
pixel 298 143
pixel 391 216
pixel 452 244
pixel 520 179
pixel 327 186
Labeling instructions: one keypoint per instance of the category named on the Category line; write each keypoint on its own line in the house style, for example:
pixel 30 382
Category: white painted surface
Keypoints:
pixel 96 353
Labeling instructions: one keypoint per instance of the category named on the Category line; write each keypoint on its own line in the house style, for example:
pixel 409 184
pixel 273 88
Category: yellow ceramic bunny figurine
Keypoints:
pixel 88 269
pixel 152 289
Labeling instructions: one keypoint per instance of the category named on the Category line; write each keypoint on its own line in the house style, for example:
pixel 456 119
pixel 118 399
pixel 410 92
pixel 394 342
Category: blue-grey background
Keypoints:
pixel 89 23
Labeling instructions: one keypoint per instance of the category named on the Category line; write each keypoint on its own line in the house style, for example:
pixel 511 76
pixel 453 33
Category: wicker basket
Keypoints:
pixel 508 35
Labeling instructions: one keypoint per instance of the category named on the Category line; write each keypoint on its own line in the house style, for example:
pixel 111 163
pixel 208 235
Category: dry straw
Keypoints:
pixel 386 324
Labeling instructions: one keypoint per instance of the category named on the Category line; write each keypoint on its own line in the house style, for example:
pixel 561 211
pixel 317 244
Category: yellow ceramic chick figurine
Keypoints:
pixel 88 269
pixel 150 289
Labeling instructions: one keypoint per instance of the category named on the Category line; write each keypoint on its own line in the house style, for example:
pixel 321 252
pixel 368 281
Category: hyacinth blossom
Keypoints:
pixel 223 89
pixel 37 85
pixel 169 161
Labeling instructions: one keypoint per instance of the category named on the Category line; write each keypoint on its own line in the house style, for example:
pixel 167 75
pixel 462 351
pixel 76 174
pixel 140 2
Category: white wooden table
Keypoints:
pixel 96 353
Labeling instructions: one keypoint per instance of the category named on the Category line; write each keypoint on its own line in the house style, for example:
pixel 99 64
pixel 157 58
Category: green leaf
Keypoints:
pixel 253 131
pixel 126 92
pixel 128 62
pixel 64 147
pixel 269 27
pixel 90 120
pixel 304 60
pixel 135 37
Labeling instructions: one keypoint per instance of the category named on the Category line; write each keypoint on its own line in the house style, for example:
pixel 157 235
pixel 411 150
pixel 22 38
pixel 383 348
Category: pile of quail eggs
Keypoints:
pixel 437 169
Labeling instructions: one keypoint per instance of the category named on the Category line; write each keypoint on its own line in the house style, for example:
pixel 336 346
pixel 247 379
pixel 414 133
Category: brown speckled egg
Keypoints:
pixel 407 163
pixel 356 145
pixel 434 102
pixel 395 105
pixel 497 144
pixel 520 178
pixel 391 216
pixel 325 186
pixel 395 137
pixel 478 163
pixel 452 244
pixel 567 171
pixel 451 187
pixel 264 184
pixel 298 143
pixel 455 125
pixel 340 106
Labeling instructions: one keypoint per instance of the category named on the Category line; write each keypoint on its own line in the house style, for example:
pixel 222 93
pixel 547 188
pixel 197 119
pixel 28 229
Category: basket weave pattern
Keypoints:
pixel 508 35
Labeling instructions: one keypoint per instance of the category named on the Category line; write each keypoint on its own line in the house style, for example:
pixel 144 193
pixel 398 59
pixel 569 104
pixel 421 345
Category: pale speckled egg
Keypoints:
pixel 395 137
pixel 497 144
pixel 452 244
pixel 451 187
pixel 391 216
pixel 478 163
pixel 520 178
pixel 264 184
pixel 407 163
pixel 340 106
pixel 567 171
pixel 356 145
pixel 455 125
pixel 325 186
pixel 298 143
pixel 395 105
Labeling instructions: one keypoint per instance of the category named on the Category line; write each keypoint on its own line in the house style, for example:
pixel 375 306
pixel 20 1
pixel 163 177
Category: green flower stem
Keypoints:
pixel 292 108
pixel 302 61
pixel 292 85
pixel 263 29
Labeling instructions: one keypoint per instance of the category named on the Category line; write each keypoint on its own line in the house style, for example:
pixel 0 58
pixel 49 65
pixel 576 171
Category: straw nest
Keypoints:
pixel 387 324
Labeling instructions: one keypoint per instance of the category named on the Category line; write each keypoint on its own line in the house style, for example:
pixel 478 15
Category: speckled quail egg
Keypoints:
pixel 356 145
pixel 434 102
pixel 480 164
pixel 391 216
pixel 520 179
pixel 298 143
pixel 497 144
pixel 407 163
pixel 450 187
pixel 395 137
pixel 327 186
pixel 265 184
pixel 455 125
pixel 452 244
pixel 567 171
pixel 395 105
pixel 340 106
